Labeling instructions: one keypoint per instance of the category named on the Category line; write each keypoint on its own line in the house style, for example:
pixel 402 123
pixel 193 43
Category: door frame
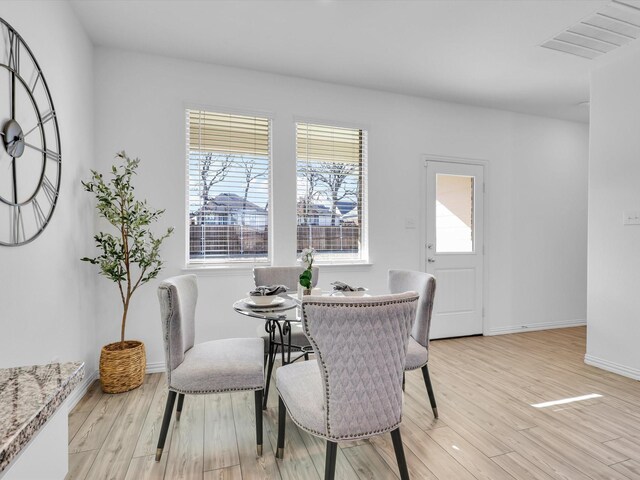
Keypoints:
pixel 424 158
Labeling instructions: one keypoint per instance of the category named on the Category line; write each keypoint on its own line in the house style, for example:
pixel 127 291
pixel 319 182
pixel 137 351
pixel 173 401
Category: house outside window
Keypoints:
pixel 228 169
pixel 331 166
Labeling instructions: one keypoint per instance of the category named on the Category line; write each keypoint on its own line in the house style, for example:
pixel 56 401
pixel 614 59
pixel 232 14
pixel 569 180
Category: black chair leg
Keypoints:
pixel 397 446
pixel 403 380
pixel 432 397
pixel 330 461
pixel 306 356
pixel 179 407
pixel 282 419
pixel 272 359
pixel 168 410
pixel 258 404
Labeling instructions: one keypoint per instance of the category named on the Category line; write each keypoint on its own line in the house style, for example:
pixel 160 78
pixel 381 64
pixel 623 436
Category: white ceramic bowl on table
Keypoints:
pixel 263 300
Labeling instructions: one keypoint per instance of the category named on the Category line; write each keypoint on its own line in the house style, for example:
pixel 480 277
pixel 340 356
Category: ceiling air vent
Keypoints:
pixel 613 26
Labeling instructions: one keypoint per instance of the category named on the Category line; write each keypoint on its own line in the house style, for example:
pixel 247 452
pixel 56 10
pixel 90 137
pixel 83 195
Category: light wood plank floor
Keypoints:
pixel 485 388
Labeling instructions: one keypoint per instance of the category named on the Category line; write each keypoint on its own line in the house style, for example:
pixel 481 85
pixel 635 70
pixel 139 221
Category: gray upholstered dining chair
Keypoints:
pixel 418 352
pixel 231 364
pixel 354 388
pixel 289 277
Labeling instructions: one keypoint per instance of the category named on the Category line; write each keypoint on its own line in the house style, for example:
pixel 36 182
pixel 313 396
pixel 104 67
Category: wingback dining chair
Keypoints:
pixel 418 352
pixel 289 277
pixel 353 390
pixel 232 364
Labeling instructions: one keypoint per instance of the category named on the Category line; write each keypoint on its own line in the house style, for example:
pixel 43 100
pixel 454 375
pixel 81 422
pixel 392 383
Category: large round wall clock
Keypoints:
pixel 30 160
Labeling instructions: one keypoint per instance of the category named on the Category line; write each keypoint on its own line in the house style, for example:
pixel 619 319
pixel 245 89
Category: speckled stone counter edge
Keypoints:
pixel 31 427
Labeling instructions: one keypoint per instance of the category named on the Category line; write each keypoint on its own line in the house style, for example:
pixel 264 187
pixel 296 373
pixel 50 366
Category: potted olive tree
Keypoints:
pixel 130 257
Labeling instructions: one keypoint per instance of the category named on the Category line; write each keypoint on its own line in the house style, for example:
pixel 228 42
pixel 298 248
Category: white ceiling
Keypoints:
pixel 481 52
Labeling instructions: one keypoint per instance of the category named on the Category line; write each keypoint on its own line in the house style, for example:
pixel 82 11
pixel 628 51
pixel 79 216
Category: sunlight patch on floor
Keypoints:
pixel 564 401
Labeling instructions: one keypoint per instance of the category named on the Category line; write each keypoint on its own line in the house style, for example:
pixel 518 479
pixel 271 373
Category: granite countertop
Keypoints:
pixel 29 396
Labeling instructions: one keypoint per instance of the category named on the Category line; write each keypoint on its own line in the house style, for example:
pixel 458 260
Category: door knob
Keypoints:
pixel 431 260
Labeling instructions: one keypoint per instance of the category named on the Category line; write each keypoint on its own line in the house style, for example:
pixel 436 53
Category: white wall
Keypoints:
pixel 47 295
pixel 537 185
pixel 614 187
pixel 548 230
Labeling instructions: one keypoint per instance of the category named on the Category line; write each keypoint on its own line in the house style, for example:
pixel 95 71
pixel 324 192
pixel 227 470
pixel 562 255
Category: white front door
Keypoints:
pixel 454 246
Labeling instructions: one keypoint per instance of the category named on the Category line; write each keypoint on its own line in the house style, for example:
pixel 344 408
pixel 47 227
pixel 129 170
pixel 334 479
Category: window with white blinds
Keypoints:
pixel 228 163
pixel 332 191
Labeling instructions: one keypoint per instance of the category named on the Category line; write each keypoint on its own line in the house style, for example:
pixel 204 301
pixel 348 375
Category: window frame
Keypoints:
pixel 364 256
pixel 226 263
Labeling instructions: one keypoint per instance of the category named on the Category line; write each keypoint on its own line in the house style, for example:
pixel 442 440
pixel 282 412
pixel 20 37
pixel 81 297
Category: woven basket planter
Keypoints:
pixel 122 370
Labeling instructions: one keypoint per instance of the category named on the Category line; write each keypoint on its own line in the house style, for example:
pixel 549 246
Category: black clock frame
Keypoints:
pixel 51 191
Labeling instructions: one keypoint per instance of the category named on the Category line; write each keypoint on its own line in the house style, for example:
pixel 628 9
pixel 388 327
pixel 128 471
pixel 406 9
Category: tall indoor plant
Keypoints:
pixel 130 257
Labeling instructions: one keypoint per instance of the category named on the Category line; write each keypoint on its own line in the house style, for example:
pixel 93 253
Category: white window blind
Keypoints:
pixel 228 163
pixel 331 191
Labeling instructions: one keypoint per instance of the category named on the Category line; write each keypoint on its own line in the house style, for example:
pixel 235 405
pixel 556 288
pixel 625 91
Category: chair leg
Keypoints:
pixel 330 461
pixel 397 446
pixel 403 380
pixel 432 397
pixel 282 420
pixel 306 356
pixel 168 410
pixel 258 406
pixel 272 360
pixel 179 407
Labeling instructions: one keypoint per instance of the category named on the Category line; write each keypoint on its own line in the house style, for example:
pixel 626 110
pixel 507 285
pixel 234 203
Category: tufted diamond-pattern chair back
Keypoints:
pixel 425 285
pixel 360 346
pixel 287 276
pixel 178 297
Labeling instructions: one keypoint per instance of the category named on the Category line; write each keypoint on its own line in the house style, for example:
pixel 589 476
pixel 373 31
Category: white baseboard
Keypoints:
pixel 152 367
pixel 612 367
pixel 156 367
pixel 531 327
pixel 81 389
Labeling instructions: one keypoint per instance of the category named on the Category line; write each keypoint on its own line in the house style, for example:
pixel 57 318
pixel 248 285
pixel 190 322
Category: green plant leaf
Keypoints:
pixel 305 278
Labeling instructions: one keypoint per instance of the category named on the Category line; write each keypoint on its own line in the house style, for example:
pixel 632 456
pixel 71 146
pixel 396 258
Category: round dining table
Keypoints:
pixel 279 321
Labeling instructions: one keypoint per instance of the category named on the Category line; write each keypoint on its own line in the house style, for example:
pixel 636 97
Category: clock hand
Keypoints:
pixel 15 180
pixel 13 96
pixel 10 143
